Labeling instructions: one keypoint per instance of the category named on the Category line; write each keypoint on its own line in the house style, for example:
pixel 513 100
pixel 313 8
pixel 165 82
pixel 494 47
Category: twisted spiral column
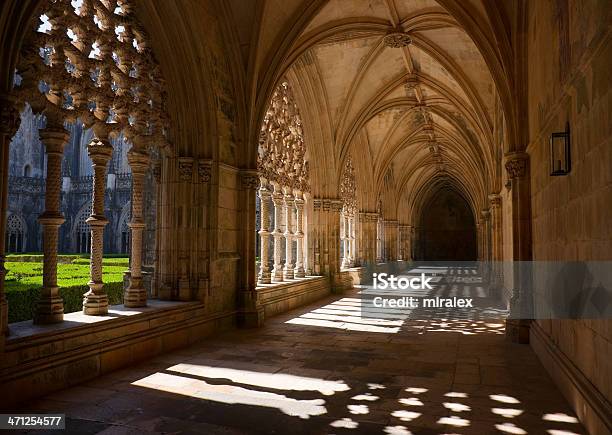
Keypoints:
pixel 50 306
pixel 299 271
pixel 277 200
pixel 95 301
pixel 289 205
pixel 136 295
pixel 265 276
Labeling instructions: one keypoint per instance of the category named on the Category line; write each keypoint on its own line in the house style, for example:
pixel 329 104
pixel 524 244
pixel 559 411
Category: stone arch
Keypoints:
pixel 123 232
pixel 80 230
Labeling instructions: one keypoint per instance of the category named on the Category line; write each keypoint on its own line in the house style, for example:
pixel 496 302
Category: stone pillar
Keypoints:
pixel 50 307
pixel 496 241
pixel 136 295
pixel 521 304
pixel 9 123
pixel 351 238
pixel 251 312
pixel 289 205
pixel 344 237
pixel 379 241
pixel 299 271
pixel 277 200
pixel 95 301
pixel 265 276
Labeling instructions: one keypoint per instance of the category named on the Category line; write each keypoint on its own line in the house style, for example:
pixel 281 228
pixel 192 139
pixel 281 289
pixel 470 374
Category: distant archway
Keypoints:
pixel 447 228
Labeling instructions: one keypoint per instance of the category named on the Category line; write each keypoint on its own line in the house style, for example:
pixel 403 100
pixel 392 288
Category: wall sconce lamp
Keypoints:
pixel 560 160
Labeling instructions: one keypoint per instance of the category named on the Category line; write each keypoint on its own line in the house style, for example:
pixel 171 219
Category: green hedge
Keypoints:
pixel 24 280
pixel 22 303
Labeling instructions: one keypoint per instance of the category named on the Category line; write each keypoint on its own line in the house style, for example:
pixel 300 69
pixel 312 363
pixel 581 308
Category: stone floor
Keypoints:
pixel 326 370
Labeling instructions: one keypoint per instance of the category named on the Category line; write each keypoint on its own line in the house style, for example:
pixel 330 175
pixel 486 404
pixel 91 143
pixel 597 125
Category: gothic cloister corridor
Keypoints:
pixel 312 371
pixel 306 216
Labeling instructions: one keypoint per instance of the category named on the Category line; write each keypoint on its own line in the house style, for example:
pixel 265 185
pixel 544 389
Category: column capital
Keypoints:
pixel 204 170
pixel 138 160
pixel 495 199
pixel 485 213
pixel 516 164
pixel 54 139
pixel 99 151
pixel 249 179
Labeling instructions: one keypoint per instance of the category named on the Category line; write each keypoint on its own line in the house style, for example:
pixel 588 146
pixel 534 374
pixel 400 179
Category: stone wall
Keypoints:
pixel 570 53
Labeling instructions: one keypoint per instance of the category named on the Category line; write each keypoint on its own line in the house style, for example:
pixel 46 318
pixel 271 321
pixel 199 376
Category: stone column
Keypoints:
pixel 299 271
pixel 344 238
pixel 289 205
pixel 351 239
pixel 496 240
pixel 95 301
pixel 50 307
pixel 264 233
pixel 136 295
pixel 277 200
pixel 9 123
pixel 521 304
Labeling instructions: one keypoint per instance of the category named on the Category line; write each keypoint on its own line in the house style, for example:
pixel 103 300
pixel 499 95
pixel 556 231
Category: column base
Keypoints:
pixel 517 330
pixel 299 272
pixel 277 274
pixel 264 278
pixel 49 310
pixel 251 313
pixel 95 304
pixel 288 273
pixel 134 298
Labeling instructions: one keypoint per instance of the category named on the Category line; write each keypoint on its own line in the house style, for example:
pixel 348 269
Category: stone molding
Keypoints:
pixel 250 180
pixel 397 39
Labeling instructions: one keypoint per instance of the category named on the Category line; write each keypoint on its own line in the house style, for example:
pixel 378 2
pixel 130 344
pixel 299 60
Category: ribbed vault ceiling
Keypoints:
pixel 423 112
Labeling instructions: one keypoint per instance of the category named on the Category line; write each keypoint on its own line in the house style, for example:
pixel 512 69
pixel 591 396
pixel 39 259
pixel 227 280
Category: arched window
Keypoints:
pixel 81 231
pixel 347 216
pixel 15 234
pixel 27 171
pixel 284 183
pixel 123 231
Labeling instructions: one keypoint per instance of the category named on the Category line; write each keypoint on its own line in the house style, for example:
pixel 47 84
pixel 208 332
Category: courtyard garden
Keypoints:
pixel 24 281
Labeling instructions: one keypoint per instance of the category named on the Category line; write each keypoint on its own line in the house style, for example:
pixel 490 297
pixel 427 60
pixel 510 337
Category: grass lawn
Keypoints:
pixel 23 275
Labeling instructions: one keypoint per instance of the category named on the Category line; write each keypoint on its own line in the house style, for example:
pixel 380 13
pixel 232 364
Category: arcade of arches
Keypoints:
pixel 294 148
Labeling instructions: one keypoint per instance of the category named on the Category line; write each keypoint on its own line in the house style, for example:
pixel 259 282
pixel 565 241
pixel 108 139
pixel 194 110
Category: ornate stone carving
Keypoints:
pixel 249 180
pixel 204 171
pixel 95 65
pixel 397 39
pixel 282 151
pixel 516 165
pixel 495 200
pixel 185 169
pixel 348 187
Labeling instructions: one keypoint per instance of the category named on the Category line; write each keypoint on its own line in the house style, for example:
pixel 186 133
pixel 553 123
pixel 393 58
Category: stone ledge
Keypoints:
pixel 65 355
pixel 593 409
pixel 279 297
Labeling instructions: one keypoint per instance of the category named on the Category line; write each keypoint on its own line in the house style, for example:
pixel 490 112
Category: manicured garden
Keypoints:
pixel 24 281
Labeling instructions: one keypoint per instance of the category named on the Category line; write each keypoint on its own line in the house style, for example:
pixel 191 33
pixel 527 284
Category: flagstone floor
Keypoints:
pixel 324 369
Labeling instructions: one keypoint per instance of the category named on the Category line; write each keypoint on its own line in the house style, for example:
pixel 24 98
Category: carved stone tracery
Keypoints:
pixel 92 62
pixel 281 144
